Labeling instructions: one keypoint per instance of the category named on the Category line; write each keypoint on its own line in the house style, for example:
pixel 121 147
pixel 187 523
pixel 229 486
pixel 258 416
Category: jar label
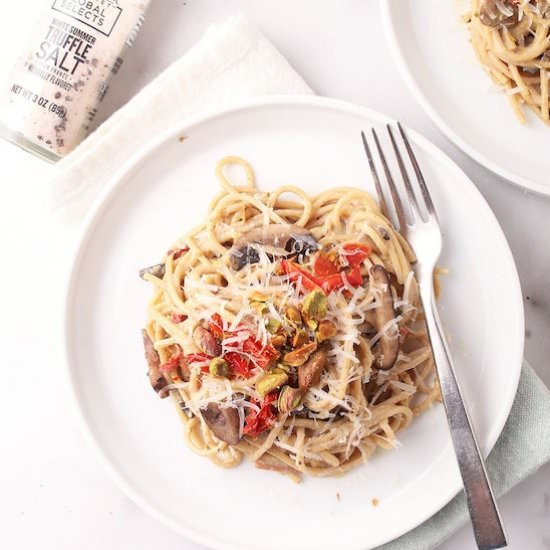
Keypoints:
pixel 56 87
pixel 101 15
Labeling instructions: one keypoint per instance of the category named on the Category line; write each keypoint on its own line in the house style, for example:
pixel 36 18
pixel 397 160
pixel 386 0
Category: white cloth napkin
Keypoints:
pixel 234 60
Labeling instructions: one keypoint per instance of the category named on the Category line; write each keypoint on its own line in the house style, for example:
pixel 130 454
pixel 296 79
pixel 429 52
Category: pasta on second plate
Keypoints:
pixel 288 328
pixel 511 39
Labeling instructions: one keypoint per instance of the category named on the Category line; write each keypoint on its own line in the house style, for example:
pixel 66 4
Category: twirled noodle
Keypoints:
pixel 511 39
pixel 354 406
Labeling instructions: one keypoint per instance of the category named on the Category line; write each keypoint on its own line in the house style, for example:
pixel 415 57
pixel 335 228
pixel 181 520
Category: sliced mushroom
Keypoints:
pixel 206 341
pixel 387 347
pixel 368 326
pixel 302 411
pixel 242 256
pixel 269 462
pixel 182 406
pixel 498 13
pixel 372 389
pixel 309 373
pixel 223 421
pixel 158 382
pixel 275 240
pixel 157 270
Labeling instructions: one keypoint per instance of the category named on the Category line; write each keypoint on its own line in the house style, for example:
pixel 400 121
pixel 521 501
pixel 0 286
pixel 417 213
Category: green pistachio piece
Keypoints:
pixel 260 307
pixel 289 399
pixel 256 296
pixel 293 315
pixel 273 325
pixel 325 330
pixel 315 305
pixel 219 367
pixel 299 356
pixel 312 324
pixel 271 381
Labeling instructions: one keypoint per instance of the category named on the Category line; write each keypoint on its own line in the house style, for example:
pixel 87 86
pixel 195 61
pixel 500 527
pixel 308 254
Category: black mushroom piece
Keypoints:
pixel 157 270
pixel 158 382
pixel 223 421
pixel 387 347
pixel 275 240
pixel 498 13
pixel 206 341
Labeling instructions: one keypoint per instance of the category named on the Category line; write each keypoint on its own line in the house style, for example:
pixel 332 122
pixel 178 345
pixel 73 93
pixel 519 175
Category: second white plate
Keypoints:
pixel 432 48
pixel 313 143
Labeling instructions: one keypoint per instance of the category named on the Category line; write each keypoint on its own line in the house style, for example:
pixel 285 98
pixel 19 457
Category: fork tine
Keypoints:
pixel 374 172
pixel 421 181
pixel 413 205
pixel 397 207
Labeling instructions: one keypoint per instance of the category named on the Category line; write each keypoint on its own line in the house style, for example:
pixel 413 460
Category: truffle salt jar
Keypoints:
pixel 54 91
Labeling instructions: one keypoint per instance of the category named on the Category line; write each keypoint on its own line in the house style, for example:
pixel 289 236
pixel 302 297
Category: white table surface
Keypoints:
pixel 53 492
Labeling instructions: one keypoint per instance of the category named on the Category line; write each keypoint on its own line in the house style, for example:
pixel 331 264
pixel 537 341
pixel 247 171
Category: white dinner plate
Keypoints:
pixel 164 190
pixel 432 48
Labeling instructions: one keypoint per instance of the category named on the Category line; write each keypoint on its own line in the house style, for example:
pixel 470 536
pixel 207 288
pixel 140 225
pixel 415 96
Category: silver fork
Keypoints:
pixel 417 220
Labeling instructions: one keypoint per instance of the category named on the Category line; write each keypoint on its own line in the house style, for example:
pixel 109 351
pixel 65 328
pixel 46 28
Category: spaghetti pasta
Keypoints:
pixel 511 39
pixel 288 328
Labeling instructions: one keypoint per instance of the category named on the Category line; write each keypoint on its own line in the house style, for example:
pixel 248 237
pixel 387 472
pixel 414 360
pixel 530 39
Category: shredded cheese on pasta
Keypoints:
pixel 353 408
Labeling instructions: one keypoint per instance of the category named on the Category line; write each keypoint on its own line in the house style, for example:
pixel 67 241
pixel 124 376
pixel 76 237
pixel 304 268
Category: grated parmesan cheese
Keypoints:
pixel 295 451
pixel 390 325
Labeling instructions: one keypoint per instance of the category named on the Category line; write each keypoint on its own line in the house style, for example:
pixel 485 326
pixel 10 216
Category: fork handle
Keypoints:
pixel 484 514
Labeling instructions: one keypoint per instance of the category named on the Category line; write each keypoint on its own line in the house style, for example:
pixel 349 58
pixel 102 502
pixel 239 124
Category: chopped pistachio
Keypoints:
pixel 273 325
pixel 315 305
pixel 300 338
pixel 282 368
pixel 278 340
pixel 219 367
pixel 309 374
pixel 312 324
pixel 293 315
pixel 299 356
pixel 256 296
pixel 325 330
pixel 289 399
pixel 271 381
pixel 259 307
pixel 258 302
pixel 280 371
pixel 206 341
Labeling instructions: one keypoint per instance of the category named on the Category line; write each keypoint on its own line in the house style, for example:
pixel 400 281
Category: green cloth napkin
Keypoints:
pixel 522 448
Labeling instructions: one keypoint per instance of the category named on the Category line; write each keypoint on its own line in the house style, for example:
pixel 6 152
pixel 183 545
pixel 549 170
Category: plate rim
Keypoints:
pixel 102 202
pixel 397 51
